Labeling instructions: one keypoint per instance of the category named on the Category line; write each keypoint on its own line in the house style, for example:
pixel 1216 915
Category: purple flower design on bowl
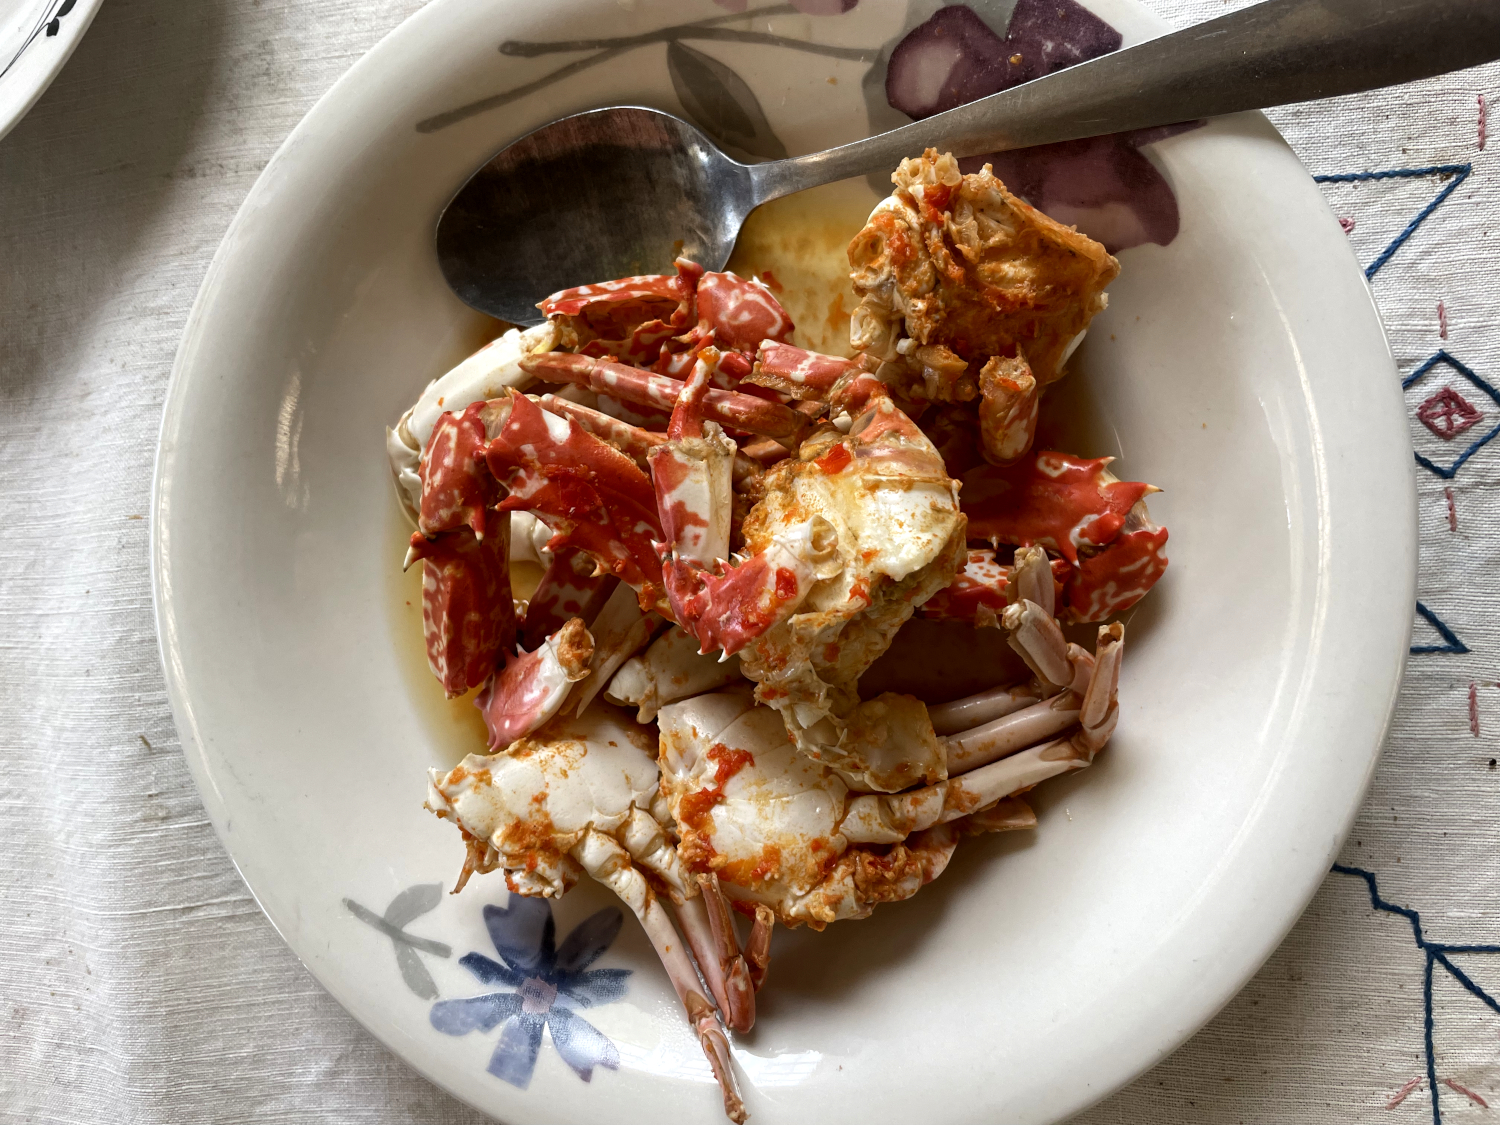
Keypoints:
pixel 549 984
pixel 1104 185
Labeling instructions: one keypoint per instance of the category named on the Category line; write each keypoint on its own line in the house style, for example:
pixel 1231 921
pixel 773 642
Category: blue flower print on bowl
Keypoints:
pixel 547 986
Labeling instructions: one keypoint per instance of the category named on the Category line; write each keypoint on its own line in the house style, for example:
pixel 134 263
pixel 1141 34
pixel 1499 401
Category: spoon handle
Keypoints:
pixel 1273 53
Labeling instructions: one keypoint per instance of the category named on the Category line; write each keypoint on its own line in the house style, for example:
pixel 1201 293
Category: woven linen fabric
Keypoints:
pixel 139 983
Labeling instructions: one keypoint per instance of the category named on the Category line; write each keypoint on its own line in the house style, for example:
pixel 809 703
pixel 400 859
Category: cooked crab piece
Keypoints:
pixel 529 688
pixel 571 586
pixel 954 269
pixel 590 494
pixel 620 631
pixel 468 616
pixel 1076 508
pixel 891 518
pixel 779 830
pixel 733 409
pixel 651 319
pixel 577 799
pixel 486 374
pixel 672 668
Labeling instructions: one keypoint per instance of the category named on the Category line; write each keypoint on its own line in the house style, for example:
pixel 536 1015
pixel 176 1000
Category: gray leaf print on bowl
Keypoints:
pixel 720 103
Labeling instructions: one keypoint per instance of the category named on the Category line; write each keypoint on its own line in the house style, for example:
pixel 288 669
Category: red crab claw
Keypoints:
pixel 1052 500
pixel 723 607
pixel 1075 508
pixel 740 313
pixel 980 591
pixel 533 686
pixel 618 380
pixel 468 618
pixel 457 487
pixel 591 495
pixel 1113 580
pixel 572 586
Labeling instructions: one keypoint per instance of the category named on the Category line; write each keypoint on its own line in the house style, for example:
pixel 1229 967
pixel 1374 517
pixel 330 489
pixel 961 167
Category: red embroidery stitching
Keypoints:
pixel 1474 710
pixel 1452 510
pixel 1404 1093
pixel 1348 225
pixel 1470 1094
pixel 1482 129
pixel 1442 321
pixel 1448 414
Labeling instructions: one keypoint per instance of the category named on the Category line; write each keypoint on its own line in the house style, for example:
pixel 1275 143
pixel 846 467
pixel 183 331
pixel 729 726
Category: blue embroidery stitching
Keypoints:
pixel 1450 638
pixel 1459 172
pixel 1436 952
pixel 1442 356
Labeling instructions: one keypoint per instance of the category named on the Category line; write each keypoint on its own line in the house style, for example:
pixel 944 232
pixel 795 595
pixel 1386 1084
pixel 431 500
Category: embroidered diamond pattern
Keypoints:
pixel 1435 401
pixel 1448 413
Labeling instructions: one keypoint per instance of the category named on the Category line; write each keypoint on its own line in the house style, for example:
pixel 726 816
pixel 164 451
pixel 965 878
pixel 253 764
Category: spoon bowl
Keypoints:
pixel 657 185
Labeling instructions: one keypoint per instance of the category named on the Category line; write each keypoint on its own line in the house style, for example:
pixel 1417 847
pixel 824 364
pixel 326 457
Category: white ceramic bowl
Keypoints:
pixel 1241 367
pixel 36 38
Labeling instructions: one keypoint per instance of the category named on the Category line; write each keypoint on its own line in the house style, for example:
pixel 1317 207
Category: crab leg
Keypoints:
pixel 1007 408
pixel 758 948
pixel 739 1005
pixel 798 373
pixel 976 779
pixel 728 408
pixel 632 441
pixel 608 862
pixel 648 846
pixel 1000 737
pixel 570 587
pixel 1009 776
pixel 974 710
pixel 671 669
pixel 620 631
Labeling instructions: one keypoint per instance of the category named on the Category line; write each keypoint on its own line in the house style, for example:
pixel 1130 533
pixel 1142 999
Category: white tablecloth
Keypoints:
pixel 138 980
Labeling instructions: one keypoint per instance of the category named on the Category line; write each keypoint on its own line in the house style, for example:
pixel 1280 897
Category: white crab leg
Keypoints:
pixel 608 862
pixel 1032 578
pixel 758 947
pixel 984 744
pixel 1009 776
pixel 977 779
pixel 971 711
pixel 620 631
pixel 1036 636
pixel 648 846
pixel 1100 709
pixel 692 917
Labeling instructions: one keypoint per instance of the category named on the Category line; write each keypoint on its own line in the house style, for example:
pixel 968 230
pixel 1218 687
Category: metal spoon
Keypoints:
pixel 624 190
